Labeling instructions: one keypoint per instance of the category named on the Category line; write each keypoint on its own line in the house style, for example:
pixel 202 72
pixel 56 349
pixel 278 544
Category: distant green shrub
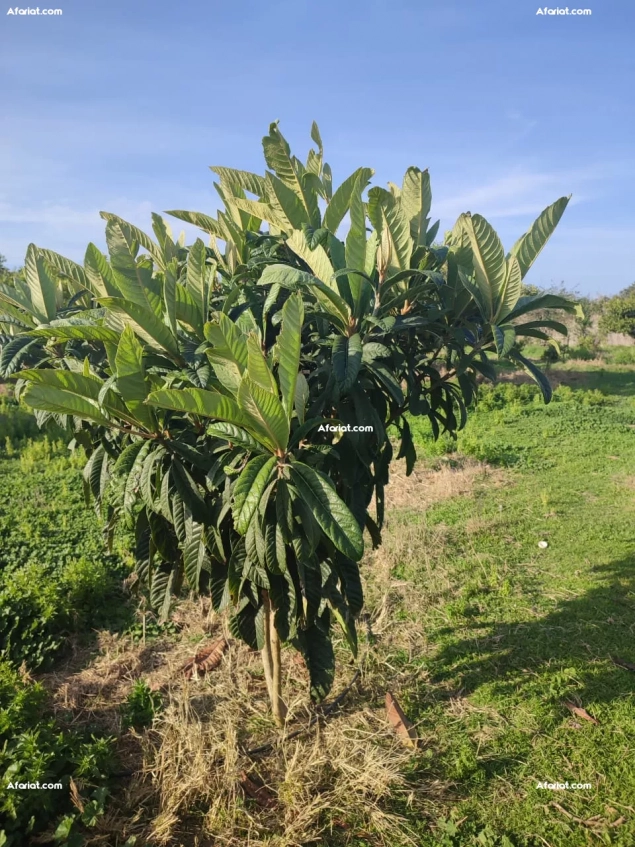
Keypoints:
pixel 587 350
pixel 620 355
pixel 15 423
pixel 505 394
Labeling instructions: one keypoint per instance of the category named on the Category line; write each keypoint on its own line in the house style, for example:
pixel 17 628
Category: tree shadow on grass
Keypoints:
pixel 567 653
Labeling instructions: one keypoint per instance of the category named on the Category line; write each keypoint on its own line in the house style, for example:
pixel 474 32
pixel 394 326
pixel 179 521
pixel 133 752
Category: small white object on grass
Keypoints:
pixel 543 544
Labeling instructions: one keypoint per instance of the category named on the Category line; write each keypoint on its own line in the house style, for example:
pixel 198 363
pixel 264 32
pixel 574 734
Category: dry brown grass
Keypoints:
pixel 340 778
pixel 441 481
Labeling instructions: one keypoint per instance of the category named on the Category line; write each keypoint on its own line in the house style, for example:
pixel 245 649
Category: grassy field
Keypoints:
pixel 500 648
pixel 515 630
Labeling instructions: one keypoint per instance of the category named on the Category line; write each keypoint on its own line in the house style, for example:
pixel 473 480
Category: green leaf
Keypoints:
pixel 416 199
pixel 289 170
pixel 528 246
pixel 198 277
pixel 134 233
pixel 63 402
pixel 187 312
pixel 333 515
pixel 350 576
pixel 229 342
pixel 356 237
pixel 289 347
pixel 99 274
pixel 541 301
pixel 265 413
pixel 317 649
pixel 301 397
pixel 204 222
pixel 242 179
pixel 512 288
pixel 258 368
pixel 234 435
pixel 341 200
pixel 41 286
pixel 66 268
pixel 195 557
pixel 396 223
pixel 78 332
pixel 535 373
pixel 145 323
pixel 540 324
pixel 505 338
pixel 488 259
pixel 347 360
pixel 189 491
pixel 131 380
pixel 198 401
pixel 317 259
pixel 262 212
pixel 288 202
pixel 133 277
pixel 14 352
pixel 169 294
pixel 249 488
pixel 242 625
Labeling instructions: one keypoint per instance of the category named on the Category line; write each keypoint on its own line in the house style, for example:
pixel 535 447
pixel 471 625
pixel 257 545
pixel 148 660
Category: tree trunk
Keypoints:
pixel 271 660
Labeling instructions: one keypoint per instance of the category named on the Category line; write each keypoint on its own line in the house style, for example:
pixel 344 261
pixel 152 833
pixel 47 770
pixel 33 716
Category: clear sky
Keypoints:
pixel 122 106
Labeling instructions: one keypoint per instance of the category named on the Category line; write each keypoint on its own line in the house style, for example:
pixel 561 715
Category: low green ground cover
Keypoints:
pixel 516 630
pixel 57 585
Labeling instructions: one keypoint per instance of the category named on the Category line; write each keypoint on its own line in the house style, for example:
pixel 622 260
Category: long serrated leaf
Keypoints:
pixel 288 349
pixel 264 412
pixel 145 323
pixel 535 373
pixel 249 488
pixel 332 514
pixel 198 401
pixel 41 286
pixel 341 199
pixel 347 361
pixel 528 246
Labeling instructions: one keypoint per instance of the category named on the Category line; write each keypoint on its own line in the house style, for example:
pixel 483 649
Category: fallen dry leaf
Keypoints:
pixel 398 719
pixel 580 712
pixel 259 793
pixel 622 663
pixel 206 659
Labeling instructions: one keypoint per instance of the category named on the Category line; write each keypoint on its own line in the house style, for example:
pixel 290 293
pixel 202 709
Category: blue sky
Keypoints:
pixel 123 105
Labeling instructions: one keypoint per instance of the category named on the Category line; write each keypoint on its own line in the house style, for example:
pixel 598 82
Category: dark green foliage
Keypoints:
pixel 55 576
pixel 618 313
pixel 141 706
pixel 196 379
pixel 35 748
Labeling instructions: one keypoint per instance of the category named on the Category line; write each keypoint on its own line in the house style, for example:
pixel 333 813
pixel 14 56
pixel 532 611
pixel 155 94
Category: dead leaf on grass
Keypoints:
pixel 206 659
pixel 622 663
pixel 580 712
pixel 259 793
pixel 403 727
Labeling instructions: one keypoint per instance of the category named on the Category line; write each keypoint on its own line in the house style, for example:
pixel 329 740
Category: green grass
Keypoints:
pixel 57 585
pixel 515 630
pixel 56 578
